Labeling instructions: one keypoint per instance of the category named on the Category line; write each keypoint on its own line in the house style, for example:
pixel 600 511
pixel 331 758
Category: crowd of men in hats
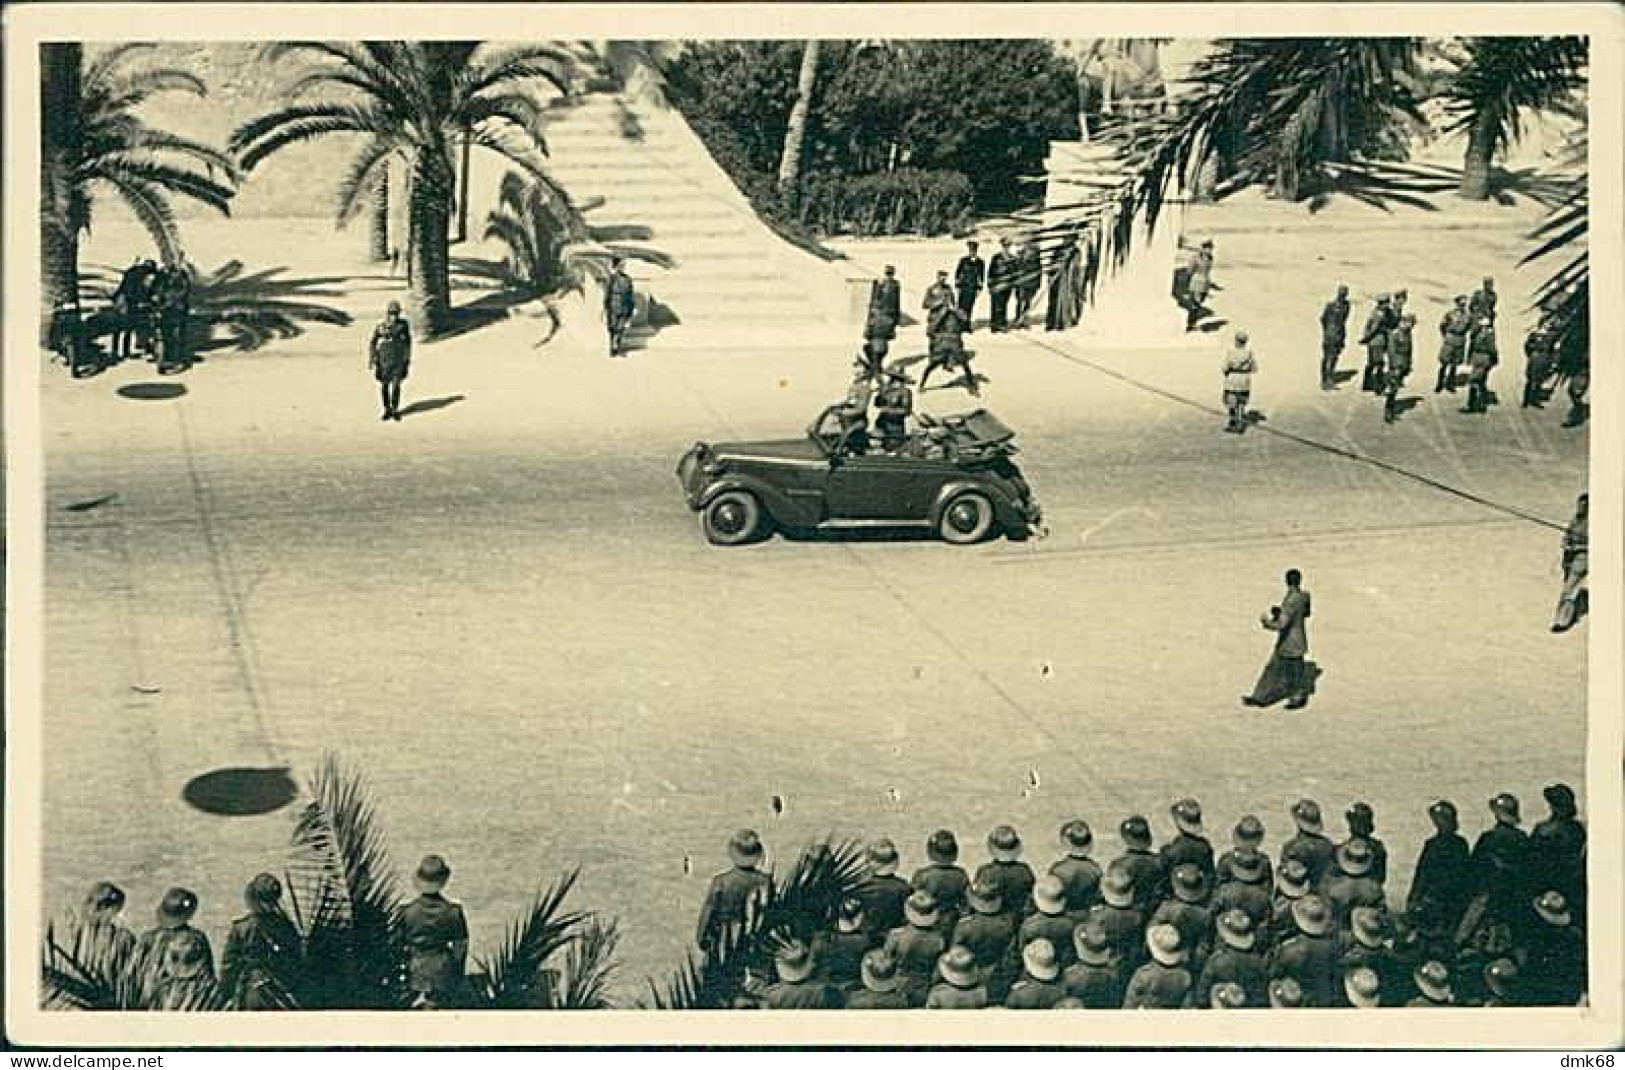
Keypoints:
pixel 1500 923
pixel 150 318
pixel 264 958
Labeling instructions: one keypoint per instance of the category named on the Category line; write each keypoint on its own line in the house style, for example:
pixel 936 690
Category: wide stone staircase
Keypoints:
pixel 717 277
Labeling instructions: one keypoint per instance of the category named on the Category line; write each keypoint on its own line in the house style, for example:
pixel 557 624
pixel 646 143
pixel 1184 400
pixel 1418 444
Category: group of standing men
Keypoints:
pixel 1013 272
pixel 151 314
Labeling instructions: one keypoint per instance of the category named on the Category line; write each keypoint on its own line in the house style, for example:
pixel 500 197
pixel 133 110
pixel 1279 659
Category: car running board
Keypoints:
pixel 846 525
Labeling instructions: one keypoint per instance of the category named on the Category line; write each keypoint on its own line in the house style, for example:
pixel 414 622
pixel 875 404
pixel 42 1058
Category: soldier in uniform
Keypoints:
pixel 1552 958
pixel 132 303
pixel 1117 915
pixel 969 275
pixel 942 876
pixel 885 313
pixel 1096 978
pixel 944 326
pixel 1040 987
pixel 172 303
pixel 733 890
pixel 1007 873
pixel 185 979
pixel 1366 946
pixel 1482 357
pixel 893 406
pixel 1239 366
pixel 1029 279
pixel 1362 822
pixel 1286 994
pixel 987 933
pixel 962 988
pixel 1348 884
pixel 854 409
pixel 882 895
pixel 1078 873
pixel 1362 989
pixel 1433 985
pixel 1375 340
pixel 916 946
pixel 882 986
pixel 1557 846
pixel 1236 960
pixel 1188 844
pixel 1163 982
pixel 1453 332
pixel 98 938
pixel 1334 325
pixel 1310 845
pixel 620 302
pixel 1500 862
pixel 1310 958
pixel 1247 835
pixel 797 987
pixel 1502 985
pixel 1049 919
pixel 1186 911
pixel 1576 565
pixel 1443 881
pixel 1001 279
pixel 390 356
pixel 1399 366
pixel 264 950
pixel 1142 865
pixel 1291 885
pixel 839 953
pixel 1247 890
pixel 1482 304
pixel 1285 675
pixel 175 913
pixel 1538 367
pixel 435 934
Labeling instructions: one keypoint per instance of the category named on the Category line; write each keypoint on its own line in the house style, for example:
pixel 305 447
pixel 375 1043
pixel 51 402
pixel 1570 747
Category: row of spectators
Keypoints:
pixel 1497 924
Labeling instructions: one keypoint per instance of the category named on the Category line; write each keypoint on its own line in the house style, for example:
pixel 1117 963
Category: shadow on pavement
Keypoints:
pixel 151 391
pixel 240 791
pixel 431 404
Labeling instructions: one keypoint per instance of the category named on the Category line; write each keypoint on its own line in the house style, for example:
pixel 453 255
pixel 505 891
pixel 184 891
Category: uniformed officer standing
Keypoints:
pixel 1188 844
pixel 1285 675
pixel 1247 836
pixel 969 275
pixel 885 313
pixel 1007 873
pixel 1334 325
pixel 797 987
pixel 132 303
pixel 916 946
pixel 1482 304
pixel 1557 846
pixel 1310 845
pixel 1049 920
pixel 1366 946
pixel 944 326
pixel 1040 987
pixel 1443 881
pixel 1501 861
pixel 1553 955
pixel 1362 823
pixel 1029 279
pixel 175 913
pixel 1001 279
pixel 1310 958
pixel 1399 366
pixel 1454 330
pixel 943 877
pixel 1375 340
pixel 894 404
pixel 435 934
pixel 1079 874
pixel 390 356
pixel 733 890
pixel 1576 566
pixel 1482 357
pixel 1246 890
pixel 987 933
pixel 1163 982
pixel 1186 911
pixel 839 954
pixel 1096 977
pixel 1236 960
pixel 263 953
pixel 620 302
pixel 172 302
pixel 1537 369
pixel 1239 366
pixel 882 895
pixel 1143 867
pixel 1348 884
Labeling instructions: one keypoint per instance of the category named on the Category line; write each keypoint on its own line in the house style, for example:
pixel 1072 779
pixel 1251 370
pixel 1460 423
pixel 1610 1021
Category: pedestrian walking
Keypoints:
pixel 1375 340
pixel 1571 604
pixel 264 951
pixel 1239 366
pixel 1398 367
pixel 1537 367
pixel 1029 279
pixel 1454 330
pixel 969 276
pixel 1285 675
pixel 390 355
pixel 1482 357
pixel 1193 283
pixel 620 302
pixel 734 891
pixel 1334 325
pixel 1002 272
pixel 434 931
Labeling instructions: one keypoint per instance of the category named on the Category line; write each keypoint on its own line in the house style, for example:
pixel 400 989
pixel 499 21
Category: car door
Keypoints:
pixel 883 486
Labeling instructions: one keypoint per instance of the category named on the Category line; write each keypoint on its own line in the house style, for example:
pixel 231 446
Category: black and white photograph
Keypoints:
pixel 843 509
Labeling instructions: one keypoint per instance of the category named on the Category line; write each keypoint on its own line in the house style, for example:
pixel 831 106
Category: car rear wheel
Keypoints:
pixel 732 518
pixel 967 518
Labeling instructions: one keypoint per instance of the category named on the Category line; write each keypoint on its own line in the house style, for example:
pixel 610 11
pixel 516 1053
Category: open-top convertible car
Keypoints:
pixel 954 476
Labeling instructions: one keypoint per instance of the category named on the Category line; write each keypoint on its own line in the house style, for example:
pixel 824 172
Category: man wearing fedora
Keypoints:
pixel 1247 890
pixel 987 932
pixel 1236 960
pixel 1362 823
pixel 839 953
pixel 1096 978
pixel 882 988
pixel 798 987
pixel 1291 885
pixel 943 877
pixel 1007 873
pixel 1040 987
pixel 1503 985
pixel 1310 958
pixel 1442 883
pixel 1143 866
pixel 1185 909
pixel 1118 915
pixel 882 895
pixel 263 951
pixel 916 946
pixel 1362 988
pixel 435 934
pixel 1553 954
pixel 1049 920
pixel 961 988
pixel 1366 945
pixel 1162 983
pixel 1286 675
pixel 1286 994
pixel 185 979
pixel 1433 985
pixel 1248 838
pixel 1557 846
pixel 1349 884
pixel 1188 846
pixel 175 913
pixel 1309 845
pixel 733 890
pixel 1078 873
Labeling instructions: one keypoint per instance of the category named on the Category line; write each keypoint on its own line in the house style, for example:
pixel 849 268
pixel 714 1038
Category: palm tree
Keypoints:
pixel 1498 80
pixel 1564 299
pixel 793 909
pixel 92 139
pixel 795 131
pixel 414 100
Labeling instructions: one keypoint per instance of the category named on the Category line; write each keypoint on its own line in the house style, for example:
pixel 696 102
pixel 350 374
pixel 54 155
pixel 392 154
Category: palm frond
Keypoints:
pixel 150 209
pixel 548 63
pixel 133 89
pixel 145 168
pixel 360 180
pixel 514 972
pixel 259 138
pixel 145 137
pixel 589 968
pixel 105 63
pixel 1503 77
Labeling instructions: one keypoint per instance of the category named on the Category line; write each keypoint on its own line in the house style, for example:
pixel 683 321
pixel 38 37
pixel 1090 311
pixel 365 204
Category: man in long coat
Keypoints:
pixel 969 275
pixel 620 302
pixel 885 313
pixel 1454 328
pixel 390 355
pixel 1576 564
pixel 1029 279
pixel 1334 325
pixel 1286 675
pixel 1375 340
pixel 1001 279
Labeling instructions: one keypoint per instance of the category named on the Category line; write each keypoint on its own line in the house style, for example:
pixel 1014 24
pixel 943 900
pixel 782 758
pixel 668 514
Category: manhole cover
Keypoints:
pixel 151 391
pixel 241 792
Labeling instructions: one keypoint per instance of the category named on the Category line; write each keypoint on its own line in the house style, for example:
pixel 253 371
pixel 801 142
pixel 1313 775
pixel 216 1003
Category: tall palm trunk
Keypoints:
pixel 795 131
pixel 429 252
pixel 1288 182
pixel 462 186
pixel 1475 173
pixel 59 137
pixel 378 218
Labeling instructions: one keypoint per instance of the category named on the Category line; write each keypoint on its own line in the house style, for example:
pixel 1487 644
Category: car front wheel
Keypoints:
pixel 732 518
pixel 966 519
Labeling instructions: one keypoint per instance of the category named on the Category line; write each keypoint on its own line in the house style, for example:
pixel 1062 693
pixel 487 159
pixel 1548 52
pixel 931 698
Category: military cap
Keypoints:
pixel 263 890
pixel 745 848
pixel 1077 837
pixel 879 971
pixel 1040 959
pixel 1560 797
pixel 1135 831
pixel 1355 857
pixel 921 909
pixel 1433 979
pixel 1311 915
pixel 393 306
pixel 794 961
pixel 1286 993
pixel 1250 831
pixel 1248 866
pixel 177 907
pixel 432 874
pixel 1444 812
pixel 1501 977
pixel 942 847
pixel 883 857
pixel 1228 996
pixel 1362 987
pixel 985 897
pixel 1505 805
pixel 1049 895
pixel 1004 844
pixel 1189 883
pixel 1367 926
pixel 1306 813
pixel 1117 888
pixel 1187 815
pixel 1292 878
pixel 1164 944
pixel 104 897
pixel 1553 908
pixel 1236 930
pixel 1094 948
